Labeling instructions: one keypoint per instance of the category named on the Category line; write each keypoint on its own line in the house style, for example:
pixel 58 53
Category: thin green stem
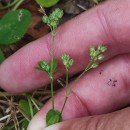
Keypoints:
pixel 18 4
pixel 53 43
pixel 52 72
pixel 52 93
pixel 66 96
pixel 9 5
pixel 77 79
pixel 67 80
pixel 68 92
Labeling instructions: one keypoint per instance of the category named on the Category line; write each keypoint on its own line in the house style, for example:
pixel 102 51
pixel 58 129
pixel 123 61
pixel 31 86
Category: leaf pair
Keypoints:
pixel 44 66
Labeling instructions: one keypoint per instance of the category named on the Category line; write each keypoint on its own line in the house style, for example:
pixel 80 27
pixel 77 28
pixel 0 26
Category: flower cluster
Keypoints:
pixel 96 55
pixel 67 61
pixel 53 19
pixel 44 66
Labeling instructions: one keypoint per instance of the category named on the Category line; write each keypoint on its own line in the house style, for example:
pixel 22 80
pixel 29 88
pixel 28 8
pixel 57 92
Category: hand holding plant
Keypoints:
pixel 99 97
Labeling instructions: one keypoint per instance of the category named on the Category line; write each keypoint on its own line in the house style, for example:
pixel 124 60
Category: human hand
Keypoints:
pixel 95 93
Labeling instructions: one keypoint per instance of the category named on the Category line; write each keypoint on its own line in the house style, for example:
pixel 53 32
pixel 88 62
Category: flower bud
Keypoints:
pixel 43 65
pixel 65 57
pixel 94 65
pixel 45 19
pixel 100 57
pixel 103 49
pixel 71 61
pixel 92 52
pixel 67 61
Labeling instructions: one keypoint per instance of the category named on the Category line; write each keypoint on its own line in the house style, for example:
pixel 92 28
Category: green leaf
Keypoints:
pixel 2 57
pixel 25 124
pixel 24 105
pixel 14 25
pixel 53 117
pixel 47 3
pixel 30 105
pixel 55 63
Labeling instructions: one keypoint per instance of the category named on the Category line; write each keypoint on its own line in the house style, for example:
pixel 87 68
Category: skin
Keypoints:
pixel 95 101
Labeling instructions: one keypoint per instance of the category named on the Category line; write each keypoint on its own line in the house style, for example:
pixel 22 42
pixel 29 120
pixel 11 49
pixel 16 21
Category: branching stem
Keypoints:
pixel 66 96
pixel 77 79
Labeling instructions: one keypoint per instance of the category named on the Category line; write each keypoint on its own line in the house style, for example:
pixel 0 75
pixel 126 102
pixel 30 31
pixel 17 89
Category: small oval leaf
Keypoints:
pixel 23 104
pixel 53 117
pixel 14 25
pixel 47 3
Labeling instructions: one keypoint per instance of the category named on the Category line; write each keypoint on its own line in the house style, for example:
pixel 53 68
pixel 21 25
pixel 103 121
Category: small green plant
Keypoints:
pixel 54 116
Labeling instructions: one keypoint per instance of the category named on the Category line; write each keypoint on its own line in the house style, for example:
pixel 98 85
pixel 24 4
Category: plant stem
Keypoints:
pixel 52 93
pixel 67 80
pixel 52 73
pixel 18 4
pixel 9 5
pixel 53 42
pixel 77 79
pixel 86 69
pixel 66 96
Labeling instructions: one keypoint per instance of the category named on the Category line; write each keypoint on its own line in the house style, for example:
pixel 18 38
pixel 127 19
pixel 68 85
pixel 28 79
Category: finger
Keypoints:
pixel 114 121
pixel 94 93
pixel 110 27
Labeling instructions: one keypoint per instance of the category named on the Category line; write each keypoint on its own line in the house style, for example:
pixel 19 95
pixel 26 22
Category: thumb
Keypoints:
pixel 114 121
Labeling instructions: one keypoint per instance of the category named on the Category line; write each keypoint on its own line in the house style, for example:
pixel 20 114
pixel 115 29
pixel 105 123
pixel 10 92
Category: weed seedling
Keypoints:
pixel 53 116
